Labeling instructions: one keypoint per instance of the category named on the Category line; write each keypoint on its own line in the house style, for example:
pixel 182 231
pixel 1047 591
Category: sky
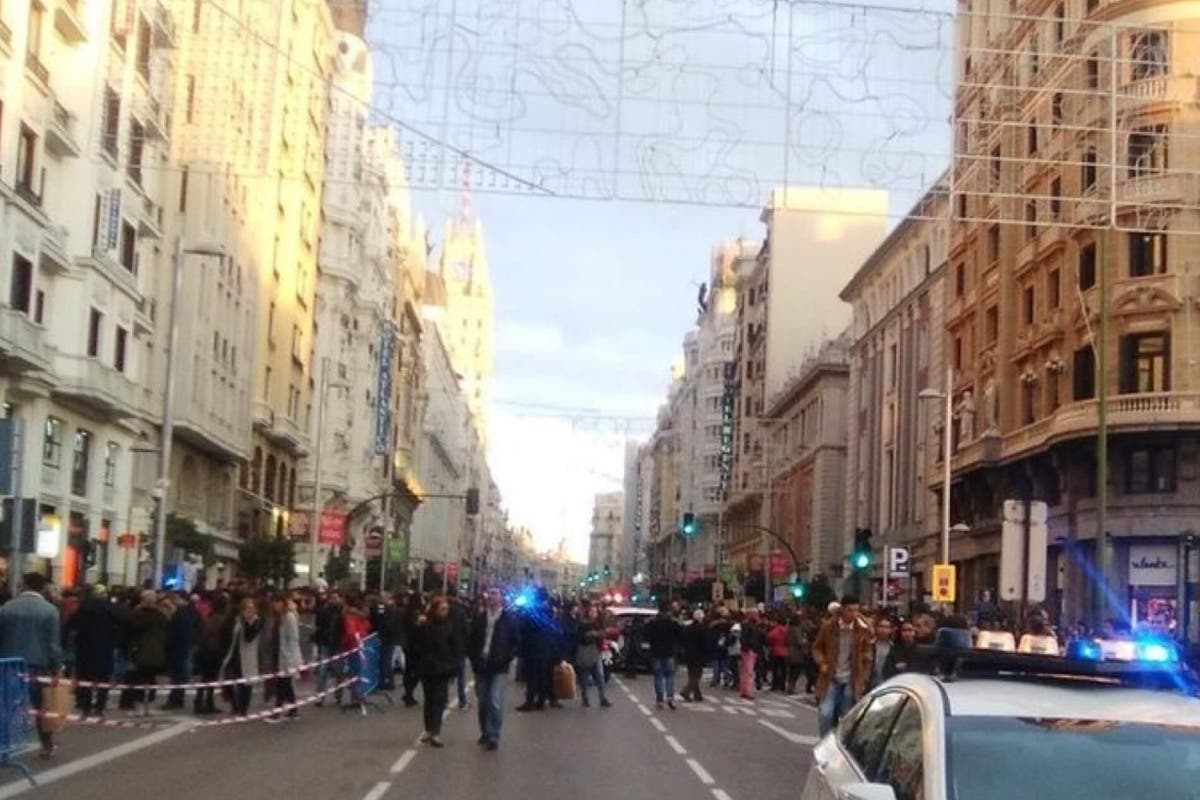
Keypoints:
pixel 658 134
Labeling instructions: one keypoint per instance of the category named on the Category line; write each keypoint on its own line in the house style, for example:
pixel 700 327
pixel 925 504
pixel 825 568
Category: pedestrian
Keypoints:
pixel 288 658
pixel 662 634
pixel 777 649
pixel 95 630
pixel 242 659
pixel 327 636
pixel 30 629
pixel 589 637
pixel 697 651
pixel 751 640
pixel 719 636
pixel 356 627
pixel 880 650
pixel 797 651
pixel 1038 638
pixel 460 620
pixel 210 651
pixel 180 642
pixel 494 643
pixel 147 646
pixel 903 656
pixel 412 655
pixel 440 656
pixel 383 624
pixel 537 651
pixel 842 651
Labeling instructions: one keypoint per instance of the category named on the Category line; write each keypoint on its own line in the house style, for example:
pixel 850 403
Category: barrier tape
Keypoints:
pixel 75 683
pixel 160 722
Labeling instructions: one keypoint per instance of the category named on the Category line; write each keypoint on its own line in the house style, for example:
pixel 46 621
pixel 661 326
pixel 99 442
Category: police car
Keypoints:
pixel 995 725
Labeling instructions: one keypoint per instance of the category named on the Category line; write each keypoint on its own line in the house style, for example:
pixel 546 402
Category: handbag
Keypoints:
pixel 56 705
pixel 587 655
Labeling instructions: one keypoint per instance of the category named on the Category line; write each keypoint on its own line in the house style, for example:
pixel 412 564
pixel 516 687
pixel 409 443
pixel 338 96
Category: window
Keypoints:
pixel 1060 25
pixel 79 468
pixel 112 452
pixel 1150 469
pixel 1083 374
pixel 93 333
pixel 143 48
pixel 1031 138
pixel 183 189
pixel 39 306
pixel 1087 266
pixel 960 279
pixel 112 122
pixel 1030 219
pixel 901 765
pixel 1148 55
pixel 1145 363
pixel 1092 71
pixel 33 44
pixel 866 739
pixel 1147 254
pixel 1028 402
pixel 892 365
pixel 52 442
pixel 269 479
pixel 137 139
pixel 1027 305
pixel 1148 151
pixel 120 347
pixel 256 470
pixel 297 344
pixel 20 286
pixel 993 244
pixel 27 144
pixel 958 352
pixel 1088 171
pixel 1056 198
pixel 994 166
pixel 267 385
pixel 1052 400
pixel 190 102
pixel 1091 5
pixel 128 247
pixel 991 325
pixel 1056 109
pixel 1053 289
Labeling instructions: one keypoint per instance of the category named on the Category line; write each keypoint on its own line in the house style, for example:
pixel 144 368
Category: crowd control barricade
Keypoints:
pixel 16 721
pixel 363 667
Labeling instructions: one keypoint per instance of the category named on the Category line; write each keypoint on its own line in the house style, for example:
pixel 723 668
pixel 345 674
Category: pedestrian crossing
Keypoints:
pixel 735 706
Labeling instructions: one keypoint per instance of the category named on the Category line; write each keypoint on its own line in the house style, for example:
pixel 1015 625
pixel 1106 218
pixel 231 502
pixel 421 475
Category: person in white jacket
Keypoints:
pixel 288 655
pixel 241 661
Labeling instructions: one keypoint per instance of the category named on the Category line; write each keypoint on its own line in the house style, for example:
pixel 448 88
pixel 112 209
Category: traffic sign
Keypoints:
pixel 944 583
pixel 1018 580
pixel 898 562
pixel 373 545
pixel 718 591
pixel 779 565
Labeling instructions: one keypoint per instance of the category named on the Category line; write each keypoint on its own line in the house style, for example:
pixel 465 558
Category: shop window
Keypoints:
pixel 1150 470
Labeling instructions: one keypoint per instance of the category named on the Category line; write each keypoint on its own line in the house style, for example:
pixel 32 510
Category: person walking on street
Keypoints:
pixel 412 653
pixel 440 657
pixel 778 650
pixel 30 629
pixel 589 637
pixel 697 640
pixel 796 641
pixel 752 645
pixel 147 645
pixel 537 651
pixel 460 619
pixel 327 636
pixel 288 657
pixel 662 634
pixel 211 650
pixel 903 656
pixel 180 642
pixel 842 652
pixel 95 631
pixel 719 635
pixel 494 642
pixel 880 651
pixel 242 660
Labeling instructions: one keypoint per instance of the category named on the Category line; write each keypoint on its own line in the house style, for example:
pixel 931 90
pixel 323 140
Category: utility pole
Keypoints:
pixel 315 515
pixel 1103 553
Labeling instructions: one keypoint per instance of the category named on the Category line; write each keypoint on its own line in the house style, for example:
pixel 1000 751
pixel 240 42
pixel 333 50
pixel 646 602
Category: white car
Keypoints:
pixel 1011 737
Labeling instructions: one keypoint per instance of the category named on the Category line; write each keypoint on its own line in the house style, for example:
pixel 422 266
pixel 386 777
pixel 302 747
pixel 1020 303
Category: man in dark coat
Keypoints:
pixel 494 642
pixel 95 631
pixel 539 644
pixel 182 633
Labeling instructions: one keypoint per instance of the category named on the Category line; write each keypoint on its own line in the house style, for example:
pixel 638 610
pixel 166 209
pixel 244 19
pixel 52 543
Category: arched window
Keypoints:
pixel 292 490
pixel 269 479
pixel 283 483
pixel 256 471
pixel 926 260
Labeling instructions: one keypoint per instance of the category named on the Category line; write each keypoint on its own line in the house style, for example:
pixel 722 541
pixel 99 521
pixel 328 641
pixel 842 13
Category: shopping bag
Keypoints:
pixel 564 682
pixel 56 705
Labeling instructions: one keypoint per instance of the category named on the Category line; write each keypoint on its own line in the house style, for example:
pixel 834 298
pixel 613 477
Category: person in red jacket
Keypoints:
pixel 778 650
pixel 356 626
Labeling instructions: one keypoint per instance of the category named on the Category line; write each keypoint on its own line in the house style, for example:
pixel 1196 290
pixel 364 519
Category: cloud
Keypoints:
pixel 529 339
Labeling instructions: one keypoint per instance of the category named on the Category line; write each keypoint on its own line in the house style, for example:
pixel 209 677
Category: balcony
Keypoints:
pixel 149 219
pixel 98 386
pixel 287 433
pixel 1169 410
pixel 163 26
pixel 68 21
pixel 26 193
pixel 23 345
pixel 262 416
pixel 1159 89
pixel 54 249
pixel 60 131
pixel 154 120
pixel 1162 188
pixel 143 316
pixel 37 70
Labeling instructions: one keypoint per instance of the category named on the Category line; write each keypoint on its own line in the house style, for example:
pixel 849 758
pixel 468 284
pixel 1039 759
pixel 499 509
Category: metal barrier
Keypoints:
pixel 16 723
pixel 364 672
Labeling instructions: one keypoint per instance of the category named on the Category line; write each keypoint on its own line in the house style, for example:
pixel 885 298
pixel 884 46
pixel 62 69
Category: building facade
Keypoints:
pixel 604 544
pixel 895 353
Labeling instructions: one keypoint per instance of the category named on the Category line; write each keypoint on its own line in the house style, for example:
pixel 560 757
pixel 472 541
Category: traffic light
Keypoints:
pixel 607 570
pixel 799 590
pixel 689 527
pixel 863 554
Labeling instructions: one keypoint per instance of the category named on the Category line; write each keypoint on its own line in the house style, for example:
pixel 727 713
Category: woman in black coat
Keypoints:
pixel 440 652
pixel 96 630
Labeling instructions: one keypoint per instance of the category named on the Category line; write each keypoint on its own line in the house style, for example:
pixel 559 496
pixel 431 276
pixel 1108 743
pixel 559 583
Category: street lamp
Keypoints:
pixel 168 421
pixel 317 506
pixel 948 398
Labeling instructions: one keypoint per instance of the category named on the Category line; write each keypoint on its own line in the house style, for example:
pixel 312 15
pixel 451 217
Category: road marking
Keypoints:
pixel 702 709
pixel 676 746
pixel 96 759
pixel 403 762
pixel 778 713
pixel 720 794
pixel 750 712
pixel 794 738
pixel 658 726
pixel 701 772
pixel 377 791
pixel 643 709
pixel 729 709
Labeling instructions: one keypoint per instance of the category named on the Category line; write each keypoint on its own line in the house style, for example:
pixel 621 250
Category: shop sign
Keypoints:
pixel 1153 564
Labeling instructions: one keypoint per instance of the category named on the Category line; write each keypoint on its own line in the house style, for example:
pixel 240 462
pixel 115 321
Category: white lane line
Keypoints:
pixel 658 726
pixel 377 791
pixel 702 709
pixel 676 746
pixel 794 738
pixel 750 712
pixel 720 794
pixel 403 762
pixel 778 713
pixel 729 709
pixel 701 772
pixel 95 759
pixel 643 709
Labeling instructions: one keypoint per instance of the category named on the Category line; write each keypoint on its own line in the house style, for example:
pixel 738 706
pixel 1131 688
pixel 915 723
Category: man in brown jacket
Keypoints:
pixel 842 652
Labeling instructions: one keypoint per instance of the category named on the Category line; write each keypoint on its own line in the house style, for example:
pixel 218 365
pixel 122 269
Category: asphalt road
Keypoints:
pixel 723 748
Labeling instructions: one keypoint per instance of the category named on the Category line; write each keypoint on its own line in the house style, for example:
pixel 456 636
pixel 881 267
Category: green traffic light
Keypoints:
pixel 799 590
pixel 861 559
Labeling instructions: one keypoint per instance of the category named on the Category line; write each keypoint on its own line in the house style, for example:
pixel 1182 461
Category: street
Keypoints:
pixel 725 747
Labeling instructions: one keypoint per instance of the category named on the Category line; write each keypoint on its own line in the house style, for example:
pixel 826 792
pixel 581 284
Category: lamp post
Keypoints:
pixel 315 517
pixel 163 483
pixel 948 397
